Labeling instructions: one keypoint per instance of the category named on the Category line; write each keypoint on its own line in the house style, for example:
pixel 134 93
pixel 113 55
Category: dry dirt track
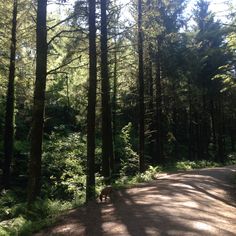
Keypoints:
pixel 200 202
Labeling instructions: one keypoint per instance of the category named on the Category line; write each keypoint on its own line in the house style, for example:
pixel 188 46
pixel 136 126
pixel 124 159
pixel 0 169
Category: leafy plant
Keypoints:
pixel 63 166
pixel 129 161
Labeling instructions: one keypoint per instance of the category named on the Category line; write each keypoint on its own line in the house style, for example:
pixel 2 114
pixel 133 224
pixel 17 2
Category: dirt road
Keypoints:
pixel 199 202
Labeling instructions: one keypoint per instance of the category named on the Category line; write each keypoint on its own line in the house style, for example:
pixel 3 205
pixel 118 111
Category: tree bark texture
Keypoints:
pixel 9 116
pixel 114 106
pixel 159 139
pixel 34 184
pixel 90 183
pixel 107 137
pixel 141 89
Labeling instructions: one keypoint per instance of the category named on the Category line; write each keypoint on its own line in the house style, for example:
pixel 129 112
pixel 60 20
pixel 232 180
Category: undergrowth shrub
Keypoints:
pixel 129 158
pixel 148 175
pixel 63 166
pixel 17 219
pixel 189 165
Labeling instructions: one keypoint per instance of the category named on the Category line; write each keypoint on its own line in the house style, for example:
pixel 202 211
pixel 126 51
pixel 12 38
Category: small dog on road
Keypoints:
pixel 105 193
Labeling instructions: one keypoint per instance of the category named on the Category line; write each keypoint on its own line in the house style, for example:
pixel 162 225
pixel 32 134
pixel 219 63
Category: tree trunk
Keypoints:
pixel 159 141
pixel 191 145
pixel 107 136
pixel 205 128
pixel 34 184
pixel 232 132
pixel 141 89
pixel 151 104
pixel 150 93
pixel 90 182
pixel 9 116
pixel 114 104
pixel 220 138
pixel 174 130
pixel 213 125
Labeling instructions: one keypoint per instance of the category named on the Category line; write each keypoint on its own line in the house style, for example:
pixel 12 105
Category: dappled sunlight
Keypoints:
pixel 190 204
pixel 197 204
pixel 203 226
pixel 182 185
pixel 113 228
pixel 151 231
pixel 67 229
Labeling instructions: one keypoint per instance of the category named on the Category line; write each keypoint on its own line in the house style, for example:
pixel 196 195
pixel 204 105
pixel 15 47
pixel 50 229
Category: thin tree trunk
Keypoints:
pixel 232 133
pixel 191 153
pixel 141 89
pixel 34 184
pixel 159 141
pixel 67 94
pixel 107 137
pixel 9 117
pixel 90 182
pixel 114 104
pixel 205 126
pixel 174 130
pixel 213 125
pixel 151 103
pixel 232 140
pixel 220 135
pixel 150 93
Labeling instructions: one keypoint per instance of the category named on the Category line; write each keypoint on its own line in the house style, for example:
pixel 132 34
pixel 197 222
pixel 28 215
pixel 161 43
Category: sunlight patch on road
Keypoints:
pixel 203 226
pixel 68 229
pixel 182 185
pixel 151 231
pixel 191 204
pixel 164 197
pixel 114 228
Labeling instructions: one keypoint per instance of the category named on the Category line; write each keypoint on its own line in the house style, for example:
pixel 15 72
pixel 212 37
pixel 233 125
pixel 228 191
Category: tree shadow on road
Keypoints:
pixel 198 202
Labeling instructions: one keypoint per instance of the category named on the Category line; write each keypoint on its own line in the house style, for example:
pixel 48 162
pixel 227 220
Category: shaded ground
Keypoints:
pixel 200 202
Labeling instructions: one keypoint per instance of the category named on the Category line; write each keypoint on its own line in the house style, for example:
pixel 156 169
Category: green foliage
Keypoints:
pixel 17 219
pixel 148 175
pixel 63 166
pixel 189 165
pixel 231 159
pixel 129 158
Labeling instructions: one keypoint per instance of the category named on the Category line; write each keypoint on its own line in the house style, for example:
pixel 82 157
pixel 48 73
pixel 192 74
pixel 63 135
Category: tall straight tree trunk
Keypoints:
pixel 34 184
pixel 213 125
pixel 232 133
pixel 190 123
pixel 151 103
pixel 159 141
pixel 205 124
pixel 150 92
pixel 114 104
pixel 90 183
pixel 9 116
pixel 107 137
pixel 141 89
pixel 220 136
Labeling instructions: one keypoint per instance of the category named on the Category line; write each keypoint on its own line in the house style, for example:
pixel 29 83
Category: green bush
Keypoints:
pixel 24 221
pixel 129 158
pixel 148 175
pixel 231 159
pixel 63 166
pixel 189 165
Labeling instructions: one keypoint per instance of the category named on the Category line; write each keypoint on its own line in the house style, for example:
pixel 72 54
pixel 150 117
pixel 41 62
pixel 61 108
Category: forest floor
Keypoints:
pixel 198 202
